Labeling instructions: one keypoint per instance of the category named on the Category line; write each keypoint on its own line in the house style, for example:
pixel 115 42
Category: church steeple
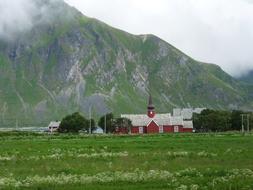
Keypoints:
pixel 151 108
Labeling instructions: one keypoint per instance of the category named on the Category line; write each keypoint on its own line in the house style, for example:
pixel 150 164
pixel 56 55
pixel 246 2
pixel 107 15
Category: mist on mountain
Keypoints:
pixel 20 16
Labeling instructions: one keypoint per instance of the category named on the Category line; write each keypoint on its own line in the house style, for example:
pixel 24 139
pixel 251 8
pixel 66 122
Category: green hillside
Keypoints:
pixel 247 78
pixel 74 62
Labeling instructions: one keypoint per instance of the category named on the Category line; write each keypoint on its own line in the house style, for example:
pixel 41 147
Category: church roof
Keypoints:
pixel 186 113
pixel 188 124
pixel 160 119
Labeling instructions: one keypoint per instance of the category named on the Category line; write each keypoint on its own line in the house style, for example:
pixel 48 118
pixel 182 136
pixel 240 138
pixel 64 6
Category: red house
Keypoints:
pixel 157 123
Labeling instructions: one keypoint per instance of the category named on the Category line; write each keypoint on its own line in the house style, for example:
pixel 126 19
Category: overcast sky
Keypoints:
pixel 214 31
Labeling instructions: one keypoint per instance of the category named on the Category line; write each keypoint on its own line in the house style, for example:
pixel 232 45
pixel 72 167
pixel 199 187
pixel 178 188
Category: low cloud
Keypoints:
pixel 15 17
pixel 19 16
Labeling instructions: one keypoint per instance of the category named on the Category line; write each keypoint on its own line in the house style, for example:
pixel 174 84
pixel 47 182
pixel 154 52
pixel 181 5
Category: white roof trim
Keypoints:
pixel 151 121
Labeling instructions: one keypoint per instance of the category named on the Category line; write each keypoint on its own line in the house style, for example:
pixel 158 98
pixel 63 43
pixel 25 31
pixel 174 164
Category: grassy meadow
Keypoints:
pixel 173 161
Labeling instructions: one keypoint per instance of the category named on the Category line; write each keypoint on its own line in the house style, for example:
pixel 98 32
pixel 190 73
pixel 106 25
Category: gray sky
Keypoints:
pixel 214 31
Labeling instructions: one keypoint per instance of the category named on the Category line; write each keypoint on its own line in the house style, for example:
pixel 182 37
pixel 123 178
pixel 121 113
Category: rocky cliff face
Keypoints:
pixel 72 63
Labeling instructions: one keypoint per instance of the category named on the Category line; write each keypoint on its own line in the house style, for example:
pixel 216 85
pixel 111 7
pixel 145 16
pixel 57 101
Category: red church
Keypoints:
pixel 157 123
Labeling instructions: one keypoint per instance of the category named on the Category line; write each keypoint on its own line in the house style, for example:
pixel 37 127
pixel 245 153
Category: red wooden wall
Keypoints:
pixel 187 130
pixel 135 130
pixel 168 129
pixel 152 127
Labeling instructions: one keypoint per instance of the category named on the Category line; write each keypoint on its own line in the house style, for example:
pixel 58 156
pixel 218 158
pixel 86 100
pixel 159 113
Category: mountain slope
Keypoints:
pixel 74 62
pixel 247 78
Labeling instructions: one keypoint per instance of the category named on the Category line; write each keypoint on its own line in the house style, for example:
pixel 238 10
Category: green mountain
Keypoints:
pixel 75 63
pixel 247 78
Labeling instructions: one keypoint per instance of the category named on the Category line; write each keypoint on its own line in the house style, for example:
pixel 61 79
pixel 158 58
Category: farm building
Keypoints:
pixel 159 123
pixel 53 126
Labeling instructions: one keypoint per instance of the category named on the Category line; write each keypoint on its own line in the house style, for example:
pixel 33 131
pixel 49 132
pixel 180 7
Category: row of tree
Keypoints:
pixel 76 122
pixel 110 124
pixel 207 120
pixel 215 120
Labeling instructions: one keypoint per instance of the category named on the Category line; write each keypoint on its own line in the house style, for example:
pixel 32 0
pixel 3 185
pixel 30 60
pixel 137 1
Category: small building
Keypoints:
pixel 158 123
pixel 98 130
pixel 54 126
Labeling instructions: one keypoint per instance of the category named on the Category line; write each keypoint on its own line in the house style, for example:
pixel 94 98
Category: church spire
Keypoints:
pixel 150 101
pixel 151 107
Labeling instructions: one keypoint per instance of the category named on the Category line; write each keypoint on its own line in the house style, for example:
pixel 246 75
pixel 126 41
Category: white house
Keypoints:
pixel 54 126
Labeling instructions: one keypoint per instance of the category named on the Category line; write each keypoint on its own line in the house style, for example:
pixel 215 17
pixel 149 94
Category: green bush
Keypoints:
pixel 73 123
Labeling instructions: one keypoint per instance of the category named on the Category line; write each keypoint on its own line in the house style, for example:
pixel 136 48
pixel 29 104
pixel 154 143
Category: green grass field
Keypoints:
pixel 175 161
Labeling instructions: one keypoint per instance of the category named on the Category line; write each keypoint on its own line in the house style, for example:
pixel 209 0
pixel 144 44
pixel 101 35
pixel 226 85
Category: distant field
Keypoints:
pixel 175 161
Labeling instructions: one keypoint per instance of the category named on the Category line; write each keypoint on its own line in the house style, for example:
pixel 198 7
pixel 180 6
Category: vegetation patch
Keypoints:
pixel 168 161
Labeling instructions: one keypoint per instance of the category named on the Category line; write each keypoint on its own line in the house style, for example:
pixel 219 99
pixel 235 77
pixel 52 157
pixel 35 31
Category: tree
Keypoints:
pixel 106 119
pixel 197 122
pixel 73 123
pixel 212 120
pixel 216 120
pixel 203 121
pixel 122 123
pixel 236 120
pixel 93 125
pixel 222 120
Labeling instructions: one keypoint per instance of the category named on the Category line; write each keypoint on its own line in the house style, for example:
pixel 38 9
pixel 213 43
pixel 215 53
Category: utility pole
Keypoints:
pixel 242 124
pixel 248 122
pixel 90 119
pixel 247 117
pixel 16 124
pixel 111 122
pixel 105 124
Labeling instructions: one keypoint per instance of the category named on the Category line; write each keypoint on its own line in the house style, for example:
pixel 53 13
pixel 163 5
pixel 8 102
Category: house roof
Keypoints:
pixel 160 119
pixel 54 124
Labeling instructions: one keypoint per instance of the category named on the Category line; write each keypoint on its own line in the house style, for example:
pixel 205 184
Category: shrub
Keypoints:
pixel 73 123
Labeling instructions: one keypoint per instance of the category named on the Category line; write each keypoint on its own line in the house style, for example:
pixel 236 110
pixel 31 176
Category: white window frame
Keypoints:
pixel 160 129
pixel 176 129
pixel 141 130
